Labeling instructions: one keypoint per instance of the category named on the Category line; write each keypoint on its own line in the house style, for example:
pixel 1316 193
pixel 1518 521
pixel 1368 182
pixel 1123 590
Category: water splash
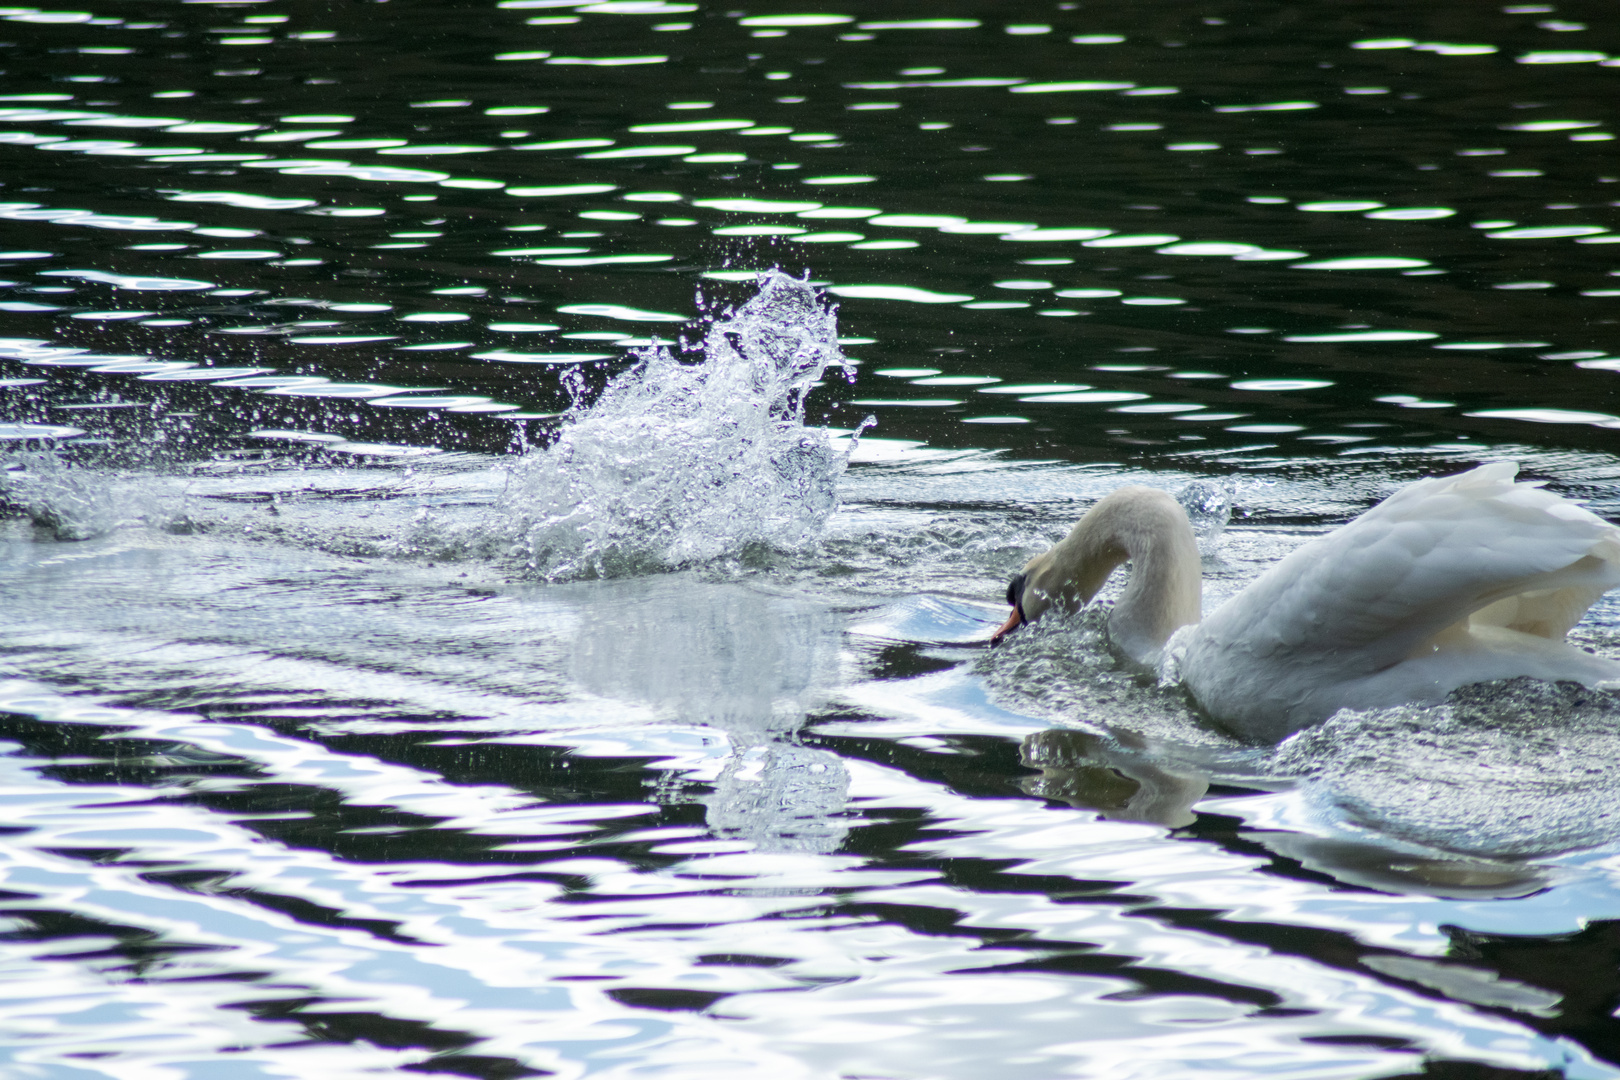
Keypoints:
pixel 679 463
pixel 1209 508
pixel 66 502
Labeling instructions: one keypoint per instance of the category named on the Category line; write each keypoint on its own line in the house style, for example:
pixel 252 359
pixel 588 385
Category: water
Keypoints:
pixel 449 624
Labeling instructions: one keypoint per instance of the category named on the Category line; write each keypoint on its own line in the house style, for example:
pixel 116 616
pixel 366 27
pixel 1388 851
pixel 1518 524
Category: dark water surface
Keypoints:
pixel 350 732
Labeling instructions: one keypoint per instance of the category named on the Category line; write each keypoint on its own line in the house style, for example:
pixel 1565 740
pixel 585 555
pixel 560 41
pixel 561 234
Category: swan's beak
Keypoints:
pixel 1014 621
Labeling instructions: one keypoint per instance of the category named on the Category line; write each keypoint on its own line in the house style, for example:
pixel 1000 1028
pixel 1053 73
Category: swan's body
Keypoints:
pixel 1449 581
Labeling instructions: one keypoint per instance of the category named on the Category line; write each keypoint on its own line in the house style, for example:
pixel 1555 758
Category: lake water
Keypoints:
pixel 400 672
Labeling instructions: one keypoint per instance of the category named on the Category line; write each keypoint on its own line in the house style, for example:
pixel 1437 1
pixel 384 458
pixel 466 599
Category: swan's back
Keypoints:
pixel 1449 581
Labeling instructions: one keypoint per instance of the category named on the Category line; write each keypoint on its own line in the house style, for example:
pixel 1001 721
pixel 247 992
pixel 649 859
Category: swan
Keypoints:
pixel 1449 581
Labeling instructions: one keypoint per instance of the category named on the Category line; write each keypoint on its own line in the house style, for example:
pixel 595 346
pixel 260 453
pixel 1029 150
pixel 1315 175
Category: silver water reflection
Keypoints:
pixel 748 663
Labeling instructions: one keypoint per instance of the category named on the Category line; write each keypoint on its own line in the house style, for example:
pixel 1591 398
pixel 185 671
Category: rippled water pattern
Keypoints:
pixel 452 621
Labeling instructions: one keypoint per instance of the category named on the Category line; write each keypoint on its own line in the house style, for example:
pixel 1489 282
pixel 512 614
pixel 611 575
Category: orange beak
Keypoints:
pixel 1014 621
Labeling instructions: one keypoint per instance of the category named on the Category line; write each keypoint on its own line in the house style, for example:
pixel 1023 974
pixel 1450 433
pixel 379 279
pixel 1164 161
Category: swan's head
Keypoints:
pixel 1139 524
pixel 1015 597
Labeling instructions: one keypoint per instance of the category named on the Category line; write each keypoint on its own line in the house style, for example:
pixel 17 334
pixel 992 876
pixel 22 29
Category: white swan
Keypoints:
pixel 1449 581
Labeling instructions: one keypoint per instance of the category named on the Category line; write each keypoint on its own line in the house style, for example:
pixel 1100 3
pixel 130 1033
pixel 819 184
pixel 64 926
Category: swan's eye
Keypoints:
pixel 1015 592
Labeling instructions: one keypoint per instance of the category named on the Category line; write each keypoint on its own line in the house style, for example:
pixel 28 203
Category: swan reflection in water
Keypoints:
pixel 1469 799
pixel 1093 773
pixel 749 664
pixel 1090 772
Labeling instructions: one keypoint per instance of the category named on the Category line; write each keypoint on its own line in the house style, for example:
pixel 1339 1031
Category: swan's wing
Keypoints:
pixel 1426 558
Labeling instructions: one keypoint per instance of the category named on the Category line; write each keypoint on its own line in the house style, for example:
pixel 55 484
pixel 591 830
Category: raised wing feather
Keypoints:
pixel 1437 551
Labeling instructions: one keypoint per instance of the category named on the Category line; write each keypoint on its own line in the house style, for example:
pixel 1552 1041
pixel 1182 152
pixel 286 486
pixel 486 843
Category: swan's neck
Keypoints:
pixel 1146 527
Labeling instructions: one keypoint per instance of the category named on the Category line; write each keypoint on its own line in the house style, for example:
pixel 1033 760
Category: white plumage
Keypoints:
pixel 1449 581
